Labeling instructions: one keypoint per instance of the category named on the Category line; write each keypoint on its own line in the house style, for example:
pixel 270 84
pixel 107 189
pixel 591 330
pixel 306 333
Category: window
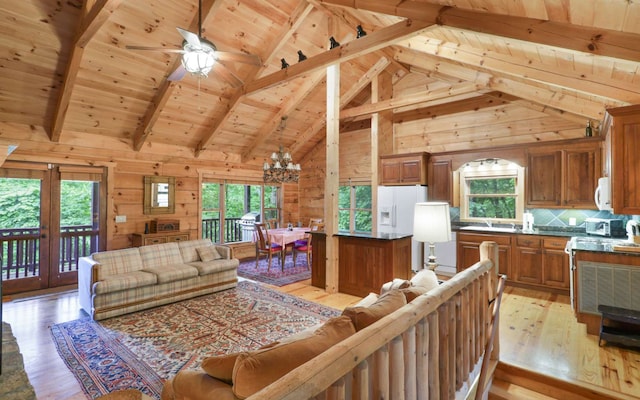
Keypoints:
pixel 491 190
pixel 224 205
pixel 354 208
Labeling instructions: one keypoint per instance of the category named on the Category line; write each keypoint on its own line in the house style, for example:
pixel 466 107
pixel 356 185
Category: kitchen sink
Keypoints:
pixel 489 229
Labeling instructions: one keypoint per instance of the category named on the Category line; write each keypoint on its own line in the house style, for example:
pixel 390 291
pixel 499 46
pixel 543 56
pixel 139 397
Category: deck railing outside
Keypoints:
pixel 233 230
pixel 21 246
pixel 21 249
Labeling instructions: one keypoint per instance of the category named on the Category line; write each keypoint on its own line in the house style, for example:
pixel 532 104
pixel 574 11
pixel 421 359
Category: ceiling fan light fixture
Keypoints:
pixel 198 61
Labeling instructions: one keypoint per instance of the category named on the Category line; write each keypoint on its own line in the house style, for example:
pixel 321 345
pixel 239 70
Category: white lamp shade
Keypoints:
pixel 432 222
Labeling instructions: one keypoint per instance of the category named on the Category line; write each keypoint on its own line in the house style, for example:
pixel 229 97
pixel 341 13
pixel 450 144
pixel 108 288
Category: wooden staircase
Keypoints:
pixel 514 383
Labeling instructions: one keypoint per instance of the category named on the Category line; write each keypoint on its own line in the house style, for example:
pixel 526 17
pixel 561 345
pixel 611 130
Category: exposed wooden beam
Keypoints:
pixel 368 109
pixel 478 102
pixel 606 88
pixel 166 88
pixel 296 19
pixel 87 27
pixel 349 94
pixel 355 48
pixel 597 41
pixel 265 133
pixel 539 92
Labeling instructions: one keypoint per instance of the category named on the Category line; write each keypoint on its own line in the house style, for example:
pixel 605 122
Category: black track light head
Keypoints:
pixel 283 63
pixel 301 56
pixel 333 43
pixel 360 32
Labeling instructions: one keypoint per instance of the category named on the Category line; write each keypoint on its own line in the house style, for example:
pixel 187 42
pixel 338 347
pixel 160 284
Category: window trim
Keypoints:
pixel 352 206
pixel 507 171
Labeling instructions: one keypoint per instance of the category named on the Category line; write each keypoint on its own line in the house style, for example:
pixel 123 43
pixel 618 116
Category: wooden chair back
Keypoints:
pixel 262 237
pixel 314 221
pixel 272 223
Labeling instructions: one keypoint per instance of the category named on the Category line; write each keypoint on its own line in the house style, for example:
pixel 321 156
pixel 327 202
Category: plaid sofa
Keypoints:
pixel 117 282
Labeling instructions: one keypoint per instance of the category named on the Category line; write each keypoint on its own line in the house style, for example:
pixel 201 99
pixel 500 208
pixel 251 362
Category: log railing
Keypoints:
pixel 432 348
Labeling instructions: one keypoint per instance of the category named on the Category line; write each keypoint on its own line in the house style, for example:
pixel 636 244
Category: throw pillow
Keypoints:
pixel 412 292
pixel 220 367
pixel 425 278
pixel 255 370
pixel 394 284
pixel 386 304
pixel 367 301
pixel 208 253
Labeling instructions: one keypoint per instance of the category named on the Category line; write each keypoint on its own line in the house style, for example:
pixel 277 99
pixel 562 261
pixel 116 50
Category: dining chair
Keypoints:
pixel 314 221
pixel 264 246
pixel 272 223
pixel 304 246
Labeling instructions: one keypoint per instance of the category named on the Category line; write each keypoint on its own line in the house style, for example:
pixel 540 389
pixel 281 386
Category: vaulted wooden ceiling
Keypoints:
pixel 66 74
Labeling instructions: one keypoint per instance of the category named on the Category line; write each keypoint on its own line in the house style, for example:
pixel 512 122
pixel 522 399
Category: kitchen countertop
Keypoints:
pixel 377 236
pixel 540 231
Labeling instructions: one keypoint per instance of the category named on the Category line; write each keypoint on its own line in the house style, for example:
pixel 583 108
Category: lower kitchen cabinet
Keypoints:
pixel 468 250
pixel 537 262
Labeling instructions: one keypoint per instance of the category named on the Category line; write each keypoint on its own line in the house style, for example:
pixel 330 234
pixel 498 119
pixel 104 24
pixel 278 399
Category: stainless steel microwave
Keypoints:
pixel 604 227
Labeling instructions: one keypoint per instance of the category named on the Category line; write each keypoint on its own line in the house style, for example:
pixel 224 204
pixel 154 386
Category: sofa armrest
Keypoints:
pixel 86 278
pixel 224 251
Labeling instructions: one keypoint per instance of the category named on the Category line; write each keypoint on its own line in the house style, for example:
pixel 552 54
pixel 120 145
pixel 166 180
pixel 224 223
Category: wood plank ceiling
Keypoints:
pixel 66 74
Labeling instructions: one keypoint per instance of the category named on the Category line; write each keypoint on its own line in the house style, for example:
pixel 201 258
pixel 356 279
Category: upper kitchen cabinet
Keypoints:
pixel 440 181
pixel 621 128
pixel 403 169
pixel 564 176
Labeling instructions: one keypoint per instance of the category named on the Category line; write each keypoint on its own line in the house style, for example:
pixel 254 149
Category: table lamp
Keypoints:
pixel 432 224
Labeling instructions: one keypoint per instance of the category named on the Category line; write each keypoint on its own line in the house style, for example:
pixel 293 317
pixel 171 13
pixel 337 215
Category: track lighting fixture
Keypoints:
pixel 333 43
pixel 301 56
pixel 283 63
pixel 360 32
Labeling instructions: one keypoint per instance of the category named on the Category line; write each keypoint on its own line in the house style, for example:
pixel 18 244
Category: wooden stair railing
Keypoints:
pixel 432 348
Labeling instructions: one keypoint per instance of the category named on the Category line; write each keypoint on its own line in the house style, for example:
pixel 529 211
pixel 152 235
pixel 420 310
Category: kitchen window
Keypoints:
pixel 491 190
pixel 354 208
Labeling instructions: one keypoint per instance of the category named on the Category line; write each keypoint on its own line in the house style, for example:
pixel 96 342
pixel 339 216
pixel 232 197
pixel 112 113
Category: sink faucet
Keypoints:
pixel 488 222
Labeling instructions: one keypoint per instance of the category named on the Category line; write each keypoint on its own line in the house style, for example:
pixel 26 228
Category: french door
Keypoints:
pixel 50 215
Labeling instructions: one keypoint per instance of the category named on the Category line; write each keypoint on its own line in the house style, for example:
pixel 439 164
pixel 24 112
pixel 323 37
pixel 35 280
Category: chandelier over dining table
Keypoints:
pixel 282 168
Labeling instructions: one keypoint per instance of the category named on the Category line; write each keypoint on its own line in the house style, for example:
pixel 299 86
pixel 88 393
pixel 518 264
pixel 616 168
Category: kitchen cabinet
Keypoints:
pixel 404 169
pixel 564 177
pixel 621 128
pixel 468 250
pixel 440 181
pixel 528 260
pixel 145 239
pixel 541 261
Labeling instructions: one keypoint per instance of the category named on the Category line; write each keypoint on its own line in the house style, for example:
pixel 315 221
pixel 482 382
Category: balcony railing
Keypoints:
pixel 21 250
pixel 233 230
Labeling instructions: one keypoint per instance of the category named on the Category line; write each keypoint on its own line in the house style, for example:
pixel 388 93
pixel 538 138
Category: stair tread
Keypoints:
pixel 505 390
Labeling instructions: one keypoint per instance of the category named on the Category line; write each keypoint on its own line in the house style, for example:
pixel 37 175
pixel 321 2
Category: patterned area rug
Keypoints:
pixel 275 276
pixel 141 350
pixel 14 383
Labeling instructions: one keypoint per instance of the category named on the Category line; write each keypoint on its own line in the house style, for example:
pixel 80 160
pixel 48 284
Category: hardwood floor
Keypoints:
pixel 537 331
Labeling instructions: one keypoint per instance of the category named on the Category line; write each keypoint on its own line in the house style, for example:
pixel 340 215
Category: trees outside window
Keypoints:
pixel 354 208
pixel 492 190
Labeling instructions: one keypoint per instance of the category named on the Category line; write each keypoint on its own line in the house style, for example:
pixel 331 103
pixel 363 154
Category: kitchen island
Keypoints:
pixel 603 275
pixel 366 260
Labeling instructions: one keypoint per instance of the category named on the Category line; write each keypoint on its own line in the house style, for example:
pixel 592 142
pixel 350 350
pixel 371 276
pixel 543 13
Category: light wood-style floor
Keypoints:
pixel 537 331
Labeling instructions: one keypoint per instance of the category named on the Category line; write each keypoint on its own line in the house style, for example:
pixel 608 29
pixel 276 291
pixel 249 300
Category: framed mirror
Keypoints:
pixel 159 195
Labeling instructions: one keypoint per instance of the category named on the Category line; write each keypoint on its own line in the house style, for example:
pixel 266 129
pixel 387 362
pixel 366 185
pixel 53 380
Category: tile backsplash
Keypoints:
pixel 559 218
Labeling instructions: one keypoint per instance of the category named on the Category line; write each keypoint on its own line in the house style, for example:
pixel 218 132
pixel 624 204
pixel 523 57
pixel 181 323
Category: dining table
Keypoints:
pixel 284 236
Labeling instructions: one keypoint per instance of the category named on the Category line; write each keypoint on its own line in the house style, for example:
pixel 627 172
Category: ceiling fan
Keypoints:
pixel 200 56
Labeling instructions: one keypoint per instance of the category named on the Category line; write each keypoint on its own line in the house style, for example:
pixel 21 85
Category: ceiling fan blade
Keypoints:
pixel 162 49
pixel 177 74
pixel 190 37
pixel 238 57
pixel 227 75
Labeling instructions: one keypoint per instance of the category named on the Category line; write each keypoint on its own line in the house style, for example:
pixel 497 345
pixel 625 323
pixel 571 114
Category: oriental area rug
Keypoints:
pixel 275 276
pixel 143 349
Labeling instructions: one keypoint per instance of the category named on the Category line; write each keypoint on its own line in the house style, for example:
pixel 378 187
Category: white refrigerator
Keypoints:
pixel 395 215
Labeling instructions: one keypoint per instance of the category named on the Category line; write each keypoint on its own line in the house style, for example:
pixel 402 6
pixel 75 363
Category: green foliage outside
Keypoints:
pixel 362 208
pixel 20 203
pixel 492 198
